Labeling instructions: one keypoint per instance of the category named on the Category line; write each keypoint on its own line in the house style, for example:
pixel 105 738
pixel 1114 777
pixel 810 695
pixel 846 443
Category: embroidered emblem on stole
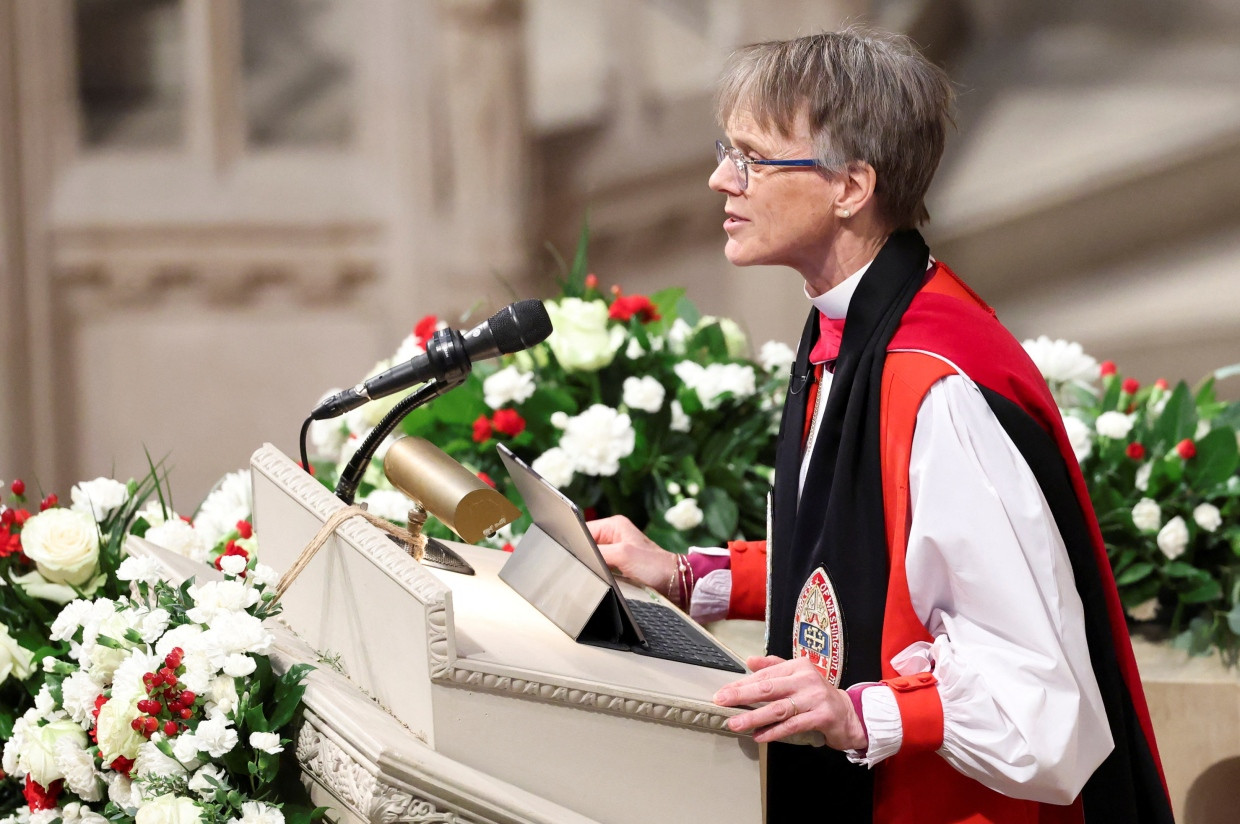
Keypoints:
pixel 817 632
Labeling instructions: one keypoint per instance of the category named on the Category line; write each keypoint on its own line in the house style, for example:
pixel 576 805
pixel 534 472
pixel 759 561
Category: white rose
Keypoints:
pixel 116 735
pixel 1114 425
pixel 1147 515
pixel 1142 479
pixel 680 421
pixel 1078 436
pixel 179 537
pixel 64 545
pixel 1173 538
pixel 99 498
pixel 1207 517
pixel 508 385
pixel 776 356
pixel 268 742
pixel 597 439
pixel 581 340
pixel 15 659
pixel 256 812
pixel 645 394
pixel 684 515
pixel 169 809
pixel 38 754
pixel 556 466
pixel 1144 611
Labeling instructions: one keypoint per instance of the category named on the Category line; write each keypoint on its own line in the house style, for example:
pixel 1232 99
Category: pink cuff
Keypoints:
pixel 703 564
pixel 854 694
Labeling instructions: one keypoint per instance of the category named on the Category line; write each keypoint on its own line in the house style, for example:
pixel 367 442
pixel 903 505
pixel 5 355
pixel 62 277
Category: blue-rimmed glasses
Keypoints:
pixel 740 164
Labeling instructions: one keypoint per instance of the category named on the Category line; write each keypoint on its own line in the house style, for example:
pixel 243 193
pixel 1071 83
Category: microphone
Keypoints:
pixel 449 355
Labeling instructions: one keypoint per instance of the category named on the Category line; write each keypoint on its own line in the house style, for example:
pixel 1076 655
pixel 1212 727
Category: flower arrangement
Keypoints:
pixel 1163 468
pixel 138 700
pixel 635 405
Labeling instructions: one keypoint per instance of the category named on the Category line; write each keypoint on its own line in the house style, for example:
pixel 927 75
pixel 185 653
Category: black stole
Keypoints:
pixel 838 526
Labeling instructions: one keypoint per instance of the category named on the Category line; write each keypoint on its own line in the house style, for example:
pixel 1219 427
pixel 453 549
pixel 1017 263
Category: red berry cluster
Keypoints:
pixel 169 705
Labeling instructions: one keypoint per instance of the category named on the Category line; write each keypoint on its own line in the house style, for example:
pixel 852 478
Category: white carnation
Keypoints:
pixel 215 736
pixel 645 394
pixel 221 696
pixel 78 694
pixel 139 568
pixel 216 598
pixel 556 466
pixel 508 385
pixel 389 504
pixel 1173 538
pixel 151 761
pixel 634 350
pixel 239 665
pixel 99 498
pixel 71 618
pixel 1142 479
pixel 232 632
pixel 680 421
pixel 232 564
pixel 776 356
pixel 1062 363
pixel 597 439
pixel 1208 517
pixel 1079 436
pixel 155 513
pixel 256 812
pixel 713 382
pixel 1144 611
pixel 177 536
pixel 1147 515
pixel 228 503
pixel 1114 425
pixel 268 742
pixel 207 780
pixel 78 767
pixel 684 515
pixel 678 336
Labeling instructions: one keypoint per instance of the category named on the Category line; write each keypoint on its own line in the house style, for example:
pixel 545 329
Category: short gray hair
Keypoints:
pixel 870 96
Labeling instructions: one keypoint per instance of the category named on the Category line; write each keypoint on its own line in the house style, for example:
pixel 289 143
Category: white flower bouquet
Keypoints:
pixel 1162 465
pixel 635 405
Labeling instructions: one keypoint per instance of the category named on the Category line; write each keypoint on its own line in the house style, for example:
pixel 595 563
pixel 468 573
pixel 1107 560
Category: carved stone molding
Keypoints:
pixel 357 784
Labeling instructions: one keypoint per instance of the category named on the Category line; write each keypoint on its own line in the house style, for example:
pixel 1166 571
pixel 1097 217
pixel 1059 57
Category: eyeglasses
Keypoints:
pixel 741 164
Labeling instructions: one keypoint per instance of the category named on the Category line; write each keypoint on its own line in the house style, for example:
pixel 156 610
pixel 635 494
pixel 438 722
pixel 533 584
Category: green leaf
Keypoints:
pixel 1217 459
pixel 1179 569
pixel 687 312
pixel 721 513
pixel 1233 619
pixel 1207 590
pixel 1134 573
pixel 1177 421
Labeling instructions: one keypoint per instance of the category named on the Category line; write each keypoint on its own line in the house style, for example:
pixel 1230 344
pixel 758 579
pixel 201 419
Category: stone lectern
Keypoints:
pixel 453 699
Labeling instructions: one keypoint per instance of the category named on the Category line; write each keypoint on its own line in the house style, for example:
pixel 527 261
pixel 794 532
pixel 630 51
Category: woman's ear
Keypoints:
pixel 857 192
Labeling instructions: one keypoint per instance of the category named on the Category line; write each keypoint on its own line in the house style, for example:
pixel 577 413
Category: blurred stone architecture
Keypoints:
pixel 212 211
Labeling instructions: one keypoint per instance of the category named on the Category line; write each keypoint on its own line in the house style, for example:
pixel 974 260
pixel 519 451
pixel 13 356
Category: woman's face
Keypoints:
pixel 786 216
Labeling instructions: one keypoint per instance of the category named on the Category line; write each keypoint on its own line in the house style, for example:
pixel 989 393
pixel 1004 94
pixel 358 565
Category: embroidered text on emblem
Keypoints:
pixel 817 632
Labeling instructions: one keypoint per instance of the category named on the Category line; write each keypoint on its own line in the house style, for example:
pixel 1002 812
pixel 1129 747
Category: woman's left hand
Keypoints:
pixel 796 699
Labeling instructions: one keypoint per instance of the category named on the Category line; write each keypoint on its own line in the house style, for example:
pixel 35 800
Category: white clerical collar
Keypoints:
pixel 834 302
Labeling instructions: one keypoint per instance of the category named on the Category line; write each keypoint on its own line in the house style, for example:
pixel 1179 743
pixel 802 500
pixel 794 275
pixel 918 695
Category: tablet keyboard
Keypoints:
pixel 668 636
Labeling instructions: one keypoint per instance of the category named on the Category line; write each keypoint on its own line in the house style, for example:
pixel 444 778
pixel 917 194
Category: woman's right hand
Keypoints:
pixel 627 550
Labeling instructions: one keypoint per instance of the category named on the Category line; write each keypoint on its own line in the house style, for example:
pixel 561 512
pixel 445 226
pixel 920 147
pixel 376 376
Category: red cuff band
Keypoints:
pixel 921 711
pixel 748 562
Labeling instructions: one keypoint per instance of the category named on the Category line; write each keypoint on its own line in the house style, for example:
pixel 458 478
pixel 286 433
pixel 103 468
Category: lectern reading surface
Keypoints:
pixel 550 569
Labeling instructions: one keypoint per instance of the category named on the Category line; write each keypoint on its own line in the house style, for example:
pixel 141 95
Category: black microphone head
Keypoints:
pixel 520 325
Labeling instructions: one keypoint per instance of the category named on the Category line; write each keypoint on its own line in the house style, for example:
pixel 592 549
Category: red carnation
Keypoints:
pixel 1130 385
pixel 486 479
pixel 39 798
pixel 626 306
pixel 1135 451
pixel 245 529
pixel 1186 449
pixel 482 429
pixel 122 765
pixel 1161 384
pixel 1107 368
pixel 424 329
pixel 19 487
pixel 508 547
pixel 508 421
pixel 231 548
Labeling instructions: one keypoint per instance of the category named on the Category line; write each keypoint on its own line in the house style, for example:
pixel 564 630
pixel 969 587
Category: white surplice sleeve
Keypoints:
pixel 991 581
